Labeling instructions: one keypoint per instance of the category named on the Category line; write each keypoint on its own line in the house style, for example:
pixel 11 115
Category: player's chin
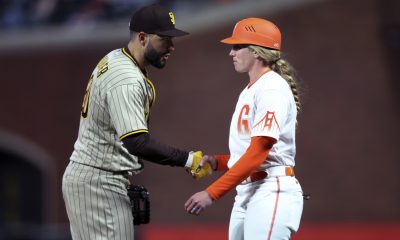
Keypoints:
pixel 160 63
pixel 239 69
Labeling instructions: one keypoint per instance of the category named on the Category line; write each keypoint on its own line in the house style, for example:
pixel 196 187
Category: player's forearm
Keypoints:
pixel 143 146
pixel 222 162
pixel 256 153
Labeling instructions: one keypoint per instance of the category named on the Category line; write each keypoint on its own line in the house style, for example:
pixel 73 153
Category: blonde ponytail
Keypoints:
pixel 273 59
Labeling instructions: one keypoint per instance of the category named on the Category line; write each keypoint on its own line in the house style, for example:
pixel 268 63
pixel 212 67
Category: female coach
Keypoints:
pixel 269 200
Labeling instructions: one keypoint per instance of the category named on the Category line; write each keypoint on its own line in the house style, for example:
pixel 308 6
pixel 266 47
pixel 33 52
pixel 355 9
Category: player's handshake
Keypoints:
pixel 199 166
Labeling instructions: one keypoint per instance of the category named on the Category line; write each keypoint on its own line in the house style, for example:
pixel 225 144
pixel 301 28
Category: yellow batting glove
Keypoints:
pixel 198 171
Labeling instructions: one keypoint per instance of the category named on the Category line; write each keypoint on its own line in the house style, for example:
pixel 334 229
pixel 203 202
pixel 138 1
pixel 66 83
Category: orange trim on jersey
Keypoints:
pixel 222 162
pixel 275 208
pixel 251 84
pixel 133 132
pixel 255 154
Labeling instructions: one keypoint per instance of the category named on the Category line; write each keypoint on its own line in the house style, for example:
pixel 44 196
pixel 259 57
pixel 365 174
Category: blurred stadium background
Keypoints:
pixel 346 53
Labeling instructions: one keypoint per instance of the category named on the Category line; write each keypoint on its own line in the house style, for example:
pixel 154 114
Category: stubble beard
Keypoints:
pixel 153 57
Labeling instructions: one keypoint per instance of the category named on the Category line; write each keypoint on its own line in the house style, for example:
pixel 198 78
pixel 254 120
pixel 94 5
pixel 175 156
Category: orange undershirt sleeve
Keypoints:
pixel 222 162
pixel 255 154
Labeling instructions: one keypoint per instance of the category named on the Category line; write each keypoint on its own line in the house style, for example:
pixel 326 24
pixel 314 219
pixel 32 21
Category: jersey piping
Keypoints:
pixel 127 53
pixel 134 132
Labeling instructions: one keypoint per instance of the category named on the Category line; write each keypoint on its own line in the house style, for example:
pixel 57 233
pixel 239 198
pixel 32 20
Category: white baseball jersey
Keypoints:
pixel 266 108
pixel 116 104
pixel 270 208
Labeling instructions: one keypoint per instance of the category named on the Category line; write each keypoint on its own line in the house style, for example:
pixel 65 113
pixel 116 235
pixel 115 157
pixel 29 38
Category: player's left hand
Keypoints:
pixel 198 202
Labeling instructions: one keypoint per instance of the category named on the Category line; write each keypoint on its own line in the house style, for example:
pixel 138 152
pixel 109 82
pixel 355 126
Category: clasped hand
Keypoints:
pixel 202 166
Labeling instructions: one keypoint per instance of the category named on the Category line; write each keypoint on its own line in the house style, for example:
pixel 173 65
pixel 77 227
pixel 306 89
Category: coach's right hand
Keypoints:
pixel 209 159
pixel 196 166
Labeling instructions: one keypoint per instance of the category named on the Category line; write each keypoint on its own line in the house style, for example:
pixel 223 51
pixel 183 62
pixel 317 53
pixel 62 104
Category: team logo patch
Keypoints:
pixel 268 122
pixel 172 17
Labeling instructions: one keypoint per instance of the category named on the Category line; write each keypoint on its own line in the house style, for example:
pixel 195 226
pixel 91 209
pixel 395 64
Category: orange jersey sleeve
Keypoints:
pixel 222 162
pixel 255 154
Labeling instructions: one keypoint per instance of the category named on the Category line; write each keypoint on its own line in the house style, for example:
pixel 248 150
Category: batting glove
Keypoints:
pixel 193 165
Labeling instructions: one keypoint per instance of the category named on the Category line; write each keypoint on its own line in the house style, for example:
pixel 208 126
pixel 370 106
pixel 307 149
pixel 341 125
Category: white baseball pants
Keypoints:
pixel 269 209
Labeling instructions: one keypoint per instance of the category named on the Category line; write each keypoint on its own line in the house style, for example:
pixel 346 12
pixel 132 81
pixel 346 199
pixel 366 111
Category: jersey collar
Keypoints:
pixel 127 53
pixel 262 74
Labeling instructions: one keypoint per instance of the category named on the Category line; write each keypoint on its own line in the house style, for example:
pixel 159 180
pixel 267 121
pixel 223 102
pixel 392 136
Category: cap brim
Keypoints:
pixel 232 40
pixel 172 33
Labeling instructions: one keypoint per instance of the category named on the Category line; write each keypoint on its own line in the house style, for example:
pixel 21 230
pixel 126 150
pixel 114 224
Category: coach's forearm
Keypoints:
pixel 143 146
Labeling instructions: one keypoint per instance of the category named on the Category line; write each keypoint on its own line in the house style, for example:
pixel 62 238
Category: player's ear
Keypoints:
pixel 256 55
pixel 143 38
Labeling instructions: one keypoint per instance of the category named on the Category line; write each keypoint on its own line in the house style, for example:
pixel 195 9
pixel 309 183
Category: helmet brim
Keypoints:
pixel 232 40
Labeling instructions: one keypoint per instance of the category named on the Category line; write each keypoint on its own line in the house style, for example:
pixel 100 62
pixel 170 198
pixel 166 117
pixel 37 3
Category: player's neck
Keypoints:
pixel 137 55
pixel 256 72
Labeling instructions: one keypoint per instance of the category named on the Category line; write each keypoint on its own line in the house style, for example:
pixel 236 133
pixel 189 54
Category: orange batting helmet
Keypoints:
pixel 255 31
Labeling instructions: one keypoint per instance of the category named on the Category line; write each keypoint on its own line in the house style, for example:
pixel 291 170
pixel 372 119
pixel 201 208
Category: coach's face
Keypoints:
pixel 158 50
pixel 243 58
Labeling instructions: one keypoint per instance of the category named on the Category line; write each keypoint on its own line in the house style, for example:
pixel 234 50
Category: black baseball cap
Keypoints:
pixel 155 19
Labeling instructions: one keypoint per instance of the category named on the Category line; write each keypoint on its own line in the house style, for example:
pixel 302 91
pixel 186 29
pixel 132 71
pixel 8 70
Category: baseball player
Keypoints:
pixel 113 133
pixel 269 200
